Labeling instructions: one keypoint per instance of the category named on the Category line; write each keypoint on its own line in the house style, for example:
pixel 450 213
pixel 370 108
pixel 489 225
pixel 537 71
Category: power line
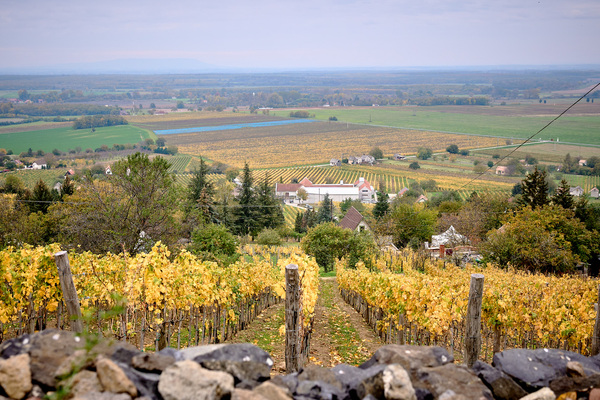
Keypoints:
pixel 531 137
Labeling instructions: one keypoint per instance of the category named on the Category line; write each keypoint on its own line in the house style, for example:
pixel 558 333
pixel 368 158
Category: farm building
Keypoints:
pixel 594 193
pixel 354 221
pixel 334 162
pixel 352 160
pixel 401 193
pixel 361 190
pixel 576 191
pixel 503 170
pixel 399 157
pixel 582 163
pixel 422 199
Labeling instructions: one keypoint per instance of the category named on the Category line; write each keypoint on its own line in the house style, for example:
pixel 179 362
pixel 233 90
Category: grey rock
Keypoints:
pixel 358 382
pixel 48 350
pixel 535 369
pixel 288 382
pixel 79 360
pixel 171 352
pixel 145 383
pixel 246 362
pixel 451 381
pixel 423 394
pixel 186 380
pixel 575 369
pixel 123 354
pixel 566 384
pixel 192 352
pixel 113 378
pixel 501 385
pixel 152 362
pixel 245 394
pixel 15 346
pixel 318 390
pixel 318 373
pixel 409 357
pixel 15 376
pixel 397 384
pixel 542 394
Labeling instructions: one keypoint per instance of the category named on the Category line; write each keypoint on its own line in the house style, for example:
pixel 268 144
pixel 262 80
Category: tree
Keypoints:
pixel 414 165
pixel 160 142
pixel 180 105
pixel 452 149
pixel 67 188
pixel 562 197
pixel 127 211
pixel 245 215
pixel 412 224
pixel 200 194
pixel 376 152
pixel 302 194
pixel 270 212
pixel 424 153
pixel 548 240
pixel 298 228
pixel 213 242
pixel 41 198
pixel 535 189
pixel 325 213
pixel 382 206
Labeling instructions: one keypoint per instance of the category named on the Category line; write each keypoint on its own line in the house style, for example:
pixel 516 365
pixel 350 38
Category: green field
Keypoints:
pixel 68 138
pixel 574 129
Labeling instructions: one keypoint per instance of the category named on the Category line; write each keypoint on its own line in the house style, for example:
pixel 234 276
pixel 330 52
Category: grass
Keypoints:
pixel 66 138
pixel 575 129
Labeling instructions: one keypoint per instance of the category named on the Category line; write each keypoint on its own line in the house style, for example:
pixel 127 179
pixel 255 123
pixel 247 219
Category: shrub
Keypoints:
pixel 414 165
pixel 269 237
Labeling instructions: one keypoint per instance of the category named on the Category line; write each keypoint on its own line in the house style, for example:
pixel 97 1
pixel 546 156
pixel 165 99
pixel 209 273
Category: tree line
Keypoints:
pixel 96 121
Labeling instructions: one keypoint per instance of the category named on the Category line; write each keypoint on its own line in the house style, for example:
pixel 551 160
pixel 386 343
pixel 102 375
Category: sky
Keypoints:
pixel 296 34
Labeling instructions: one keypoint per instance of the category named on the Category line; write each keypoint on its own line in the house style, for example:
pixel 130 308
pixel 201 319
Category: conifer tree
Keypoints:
pixel 563 197
pixel 382 206
pixel 245 215
pixel 325 213
pixel 535 189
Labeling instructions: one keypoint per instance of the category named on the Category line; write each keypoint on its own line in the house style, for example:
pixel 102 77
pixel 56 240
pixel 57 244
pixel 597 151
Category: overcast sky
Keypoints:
pixel 302 33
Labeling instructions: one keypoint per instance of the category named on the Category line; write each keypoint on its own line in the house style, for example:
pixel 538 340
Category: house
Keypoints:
pixel 399 157
pixel 334 162
pixel 354 221
pixel 366 159
pixel 576 191
pixel 594 193
pixel 69 173
pixel 352 160
pixel 360 190
pixel 37 166
pixel 402 192
pixel 108 171
pixel 422 199
pixel 386 244
pixel 503 170
pixel 582 163
pixel 450 238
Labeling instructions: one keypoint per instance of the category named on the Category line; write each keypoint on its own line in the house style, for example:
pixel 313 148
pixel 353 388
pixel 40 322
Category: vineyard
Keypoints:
pixel 414 300
pixel 164 296
pixel 318 142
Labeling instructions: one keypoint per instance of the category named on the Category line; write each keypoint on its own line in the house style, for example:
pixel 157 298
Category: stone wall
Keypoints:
pixel 59 364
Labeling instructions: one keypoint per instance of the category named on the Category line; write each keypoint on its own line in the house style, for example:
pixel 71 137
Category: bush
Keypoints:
pixel 414 165
pixel 424 153
pixel 269 237
pixel 452 149
pixel 215 243
pixel 464 152
pixel 299 114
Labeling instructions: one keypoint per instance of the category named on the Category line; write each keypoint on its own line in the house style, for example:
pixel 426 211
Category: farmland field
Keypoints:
pixel 194 119
pixel 31 177
pixel 580 125
pixel 66 138
pixel 552 152
pixel 318 142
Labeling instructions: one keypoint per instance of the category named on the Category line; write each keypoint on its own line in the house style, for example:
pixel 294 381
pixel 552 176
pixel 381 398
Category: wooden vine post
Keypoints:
pixel 292 319
pixel 596 333
pixel 69 292
pixel 473 321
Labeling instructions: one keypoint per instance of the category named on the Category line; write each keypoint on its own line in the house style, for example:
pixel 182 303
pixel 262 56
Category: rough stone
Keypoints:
pixel 575 369
pixel 318 373
pixel 103 396
pixel 271 391
pixel 245 394
pixel 15 376
pixel 123 354
pixel 450 378
pixel 501 385
pixel 113 378
pixel 48 350
pixel 84 382
pixel 145 383
pixel 397 384
pixel 409 357
pixel 358 382
pixel 542 394
pixel 535 369
pixel 192 352
pixel 287 382
pixel 152 362
pixel 595 394
pixel 187 380
pixel 567 396
pixel 565 384
pixel 244 361
pixel 318 390
pixel 171 352
pixel 76 361
pixel 16 346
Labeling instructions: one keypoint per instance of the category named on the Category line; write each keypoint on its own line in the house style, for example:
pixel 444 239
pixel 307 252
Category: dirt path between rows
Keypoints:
pixel 339 335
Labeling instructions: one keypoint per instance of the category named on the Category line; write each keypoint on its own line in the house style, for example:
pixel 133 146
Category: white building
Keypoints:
pixel 360 190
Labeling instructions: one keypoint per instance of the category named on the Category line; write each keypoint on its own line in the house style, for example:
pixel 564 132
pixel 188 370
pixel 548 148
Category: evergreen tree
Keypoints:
pixel 200 193
pixel 298 224
pixel 67 188
pixel 535 189
pixel 309 220
pixel 563 197
pixel 42 197
pixel 245 215
pixel 325 213
pixel 382 206
pixel 270 213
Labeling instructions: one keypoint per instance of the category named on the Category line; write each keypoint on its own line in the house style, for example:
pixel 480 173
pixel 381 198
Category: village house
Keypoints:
pixel 503 170
pixel 582 163
pixel 576 191
pixel 594 193
pixel 361 190
pixel 399 157
pixel 334 162
pixel 354 221
pixel 422 199
pixel 352 160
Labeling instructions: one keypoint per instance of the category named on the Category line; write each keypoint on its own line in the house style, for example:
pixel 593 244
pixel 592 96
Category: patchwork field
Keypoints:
pixel 580 125
pixel 66 138
pixel 193 119
pixel 304 144
pixel 551 152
